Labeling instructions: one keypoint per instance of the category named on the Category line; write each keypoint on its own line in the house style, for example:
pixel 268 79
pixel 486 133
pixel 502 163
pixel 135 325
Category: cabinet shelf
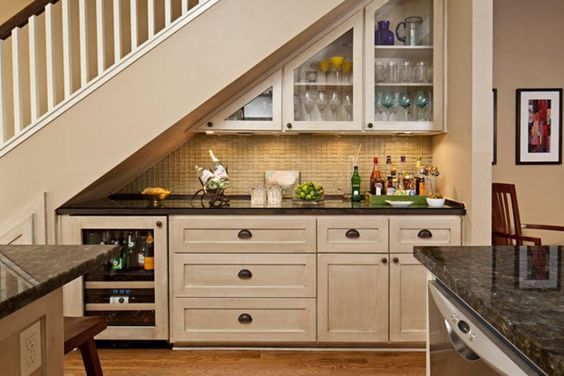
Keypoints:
pixel 415 84
pixel 403 47
pixel 323 84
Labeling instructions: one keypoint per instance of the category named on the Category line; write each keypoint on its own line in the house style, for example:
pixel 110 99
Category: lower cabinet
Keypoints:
pixel 408 299
pixel 352 298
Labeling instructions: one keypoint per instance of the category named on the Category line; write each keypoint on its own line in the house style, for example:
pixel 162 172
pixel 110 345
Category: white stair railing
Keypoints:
pixel 48 60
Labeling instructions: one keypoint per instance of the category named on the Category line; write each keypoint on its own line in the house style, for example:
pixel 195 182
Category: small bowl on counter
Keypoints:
pixel 435 202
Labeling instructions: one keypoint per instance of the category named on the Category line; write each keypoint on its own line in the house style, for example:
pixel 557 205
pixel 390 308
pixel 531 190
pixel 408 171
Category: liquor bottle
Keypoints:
pixel 355 182
pixel 376 181
pixel 130 254
pixel 149 253
pixel 419 181
pixel 204 175
pixel 141 252
pixel 390 188
pixel 220 170
pixel 118 263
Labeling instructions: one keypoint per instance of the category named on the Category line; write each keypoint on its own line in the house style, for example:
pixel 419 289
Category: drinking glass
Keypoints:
pixel 388 102
pixel 379 115
pixel 324 67
pixel 405 102
pixel 404 71
pixel 347 70
pixel 334 104
pixel 392 71
pixel 421 101
pixel 309 102
pixel 274 194
pixel 420 72
pixel 337 63
pixel 322 102
pixel 258 196
pixel 380 71
pixel 347 105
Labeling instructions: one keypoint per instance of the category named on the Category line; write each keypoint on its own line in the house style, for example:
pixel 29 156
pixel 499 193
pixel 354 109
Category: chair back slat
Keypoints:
pixel 506 222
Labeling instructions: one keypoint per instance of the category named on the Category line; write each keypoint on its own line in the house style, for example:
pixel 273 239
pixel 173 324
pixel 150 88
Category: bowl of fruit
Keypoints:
pixel 436 201
pixel 308 194
pixel 155 195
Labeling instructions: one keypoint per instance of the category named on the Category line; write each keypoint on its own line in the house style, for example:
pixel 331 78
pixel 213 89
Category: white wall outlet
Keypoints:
pixel 30 349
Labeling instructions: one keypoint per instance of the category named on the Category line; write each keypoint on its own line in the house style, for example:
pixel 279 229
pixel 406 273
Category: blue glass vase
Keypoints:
pixel 383 36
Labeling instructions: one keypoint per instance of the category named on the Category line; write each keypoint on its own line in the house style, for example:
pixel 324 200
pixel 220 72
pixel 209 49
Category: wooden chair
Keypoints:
pixel 80 332
pixel 506 221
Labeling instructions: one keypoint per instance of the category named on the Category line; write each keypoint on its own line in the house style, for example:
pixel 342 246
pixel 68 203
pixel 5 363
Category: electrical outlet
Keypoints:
pixel 30 349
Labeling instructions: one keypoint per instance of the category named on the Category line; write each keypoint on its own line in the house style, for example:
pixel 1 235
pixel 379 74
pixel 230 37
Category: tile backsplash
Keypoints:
pixel 323 159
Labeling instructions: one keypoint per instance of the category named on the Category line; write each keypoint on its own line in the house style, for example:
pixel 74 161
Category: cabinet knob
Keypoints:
pixel 352 234
pixel 424 234
pixel 159 224
pixel 289 125
pixel 245 318
pixel 395 260
pixel 245 274
pixel 210 124
pixel 384 260
pixel 244 234
pixel 370 125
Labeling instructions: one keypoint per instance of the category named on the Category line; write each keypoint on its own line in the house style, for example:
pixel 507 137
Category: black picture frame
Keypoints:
pixel 494 157
pixel 520 115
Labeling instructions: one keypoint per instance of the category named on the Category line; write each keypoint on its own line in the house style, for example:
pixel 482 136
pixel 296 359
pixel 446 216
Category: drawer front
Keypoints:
pixel 407 232
pixel 355 234
pixel 242 234
pixel 244 320
pixel 244 275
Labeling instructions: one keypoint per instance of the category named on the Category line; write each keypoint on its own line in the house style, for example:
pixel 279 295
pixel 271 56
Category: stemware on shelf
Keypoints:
pixel 334 104
pixel 309 103
pixel 347 70
pixel 378 107
pixel 419 73
pixel 322 102
pixel 336 63
pixel 405 102
pixel 324 66
pixel 392 71
pixel 347 105
pixel 405 71
pixel 380 71
pixel 422 102
pixel 388 102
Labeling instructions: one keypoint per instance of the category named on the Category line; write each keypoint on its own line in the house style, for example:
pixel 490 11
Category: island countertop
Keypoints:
pixel 32 271
pixel 128 204
pixel 517 290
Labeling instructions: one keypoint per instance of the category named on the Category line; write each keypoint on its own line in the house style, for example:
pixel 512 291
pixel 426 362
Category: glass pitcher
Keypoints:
pixel 413 29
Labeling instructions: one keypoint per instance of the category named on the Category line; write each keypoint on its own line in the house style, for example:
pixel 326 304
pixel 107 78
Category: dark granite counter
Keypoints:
pixel 241 205
pixel 517 290
pixel 32 271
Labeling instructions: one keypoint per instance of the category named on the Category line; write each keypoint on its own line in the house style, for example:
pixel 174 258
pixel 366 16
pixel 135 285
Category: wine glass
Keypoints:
pixel 388 101
pixel 405 102
pixel 347 70
pixel 324 67
pixel 334 104
pixel 337 62
pixel 421 101
pixel 322 102
pixel 347 105
pixel 309 102
pixel 378 106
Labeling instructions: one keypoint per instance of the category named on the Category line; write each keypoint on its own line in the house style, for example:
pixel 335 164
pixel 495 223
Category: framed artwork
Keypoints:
pixel 494 157
pixel 539 126
pixel 539 268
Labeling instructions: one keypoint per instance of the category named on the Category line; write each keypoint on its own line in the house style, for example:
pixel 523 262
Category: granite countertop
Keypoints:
pixel 183 204
pixel 517 290
pixel 32 271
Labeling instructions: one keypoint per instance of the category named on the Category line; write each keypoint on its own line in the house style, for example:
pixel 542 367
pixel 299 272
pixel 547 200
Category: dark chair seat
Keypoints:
pixel 79 333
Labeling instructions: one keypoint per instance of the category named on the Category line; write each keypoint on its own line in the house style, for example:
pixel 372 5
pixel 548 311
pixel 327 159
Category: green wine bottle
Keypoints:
pixel 355 182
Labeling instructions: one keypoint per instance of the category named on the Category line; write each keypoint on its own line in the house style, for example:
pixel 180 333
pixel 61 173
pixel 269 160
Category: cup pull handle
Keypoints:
pixel 352 234
pixel 245 318
pixel 245 274
pixel 400 38
pixel 244 234
pixel 424 234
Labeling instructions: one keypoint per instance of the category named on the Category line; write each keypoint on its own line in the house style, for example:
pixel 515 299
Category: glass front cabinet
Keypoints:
pixel 404 65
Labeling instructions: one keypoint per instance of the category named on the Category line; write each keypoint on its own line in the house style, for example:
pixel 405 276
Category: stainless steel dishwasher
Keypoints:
pixel 462 344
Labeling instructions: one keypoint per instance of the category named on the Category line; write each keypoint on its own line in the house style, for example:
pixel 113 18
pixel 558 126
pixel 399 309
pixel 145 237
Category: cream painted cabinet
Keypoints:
pixel 355 234
pixel 134 300
pixel 408 299
pixel 407 232
pixel 352 298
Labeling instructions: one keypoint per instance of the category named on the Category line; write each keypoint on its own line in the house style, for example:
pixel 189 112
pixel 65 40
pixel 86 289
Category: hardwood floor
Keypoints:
pixel 144 362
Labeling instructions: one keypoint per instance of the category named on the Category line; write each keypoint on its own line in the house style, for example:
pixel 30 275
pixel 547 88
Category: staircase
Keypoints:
pixel 86 84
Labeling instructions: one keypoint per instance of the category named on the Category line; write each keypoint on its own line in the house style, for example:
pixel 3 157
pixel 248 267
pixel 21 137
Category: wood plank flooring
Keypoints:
pixel 145 362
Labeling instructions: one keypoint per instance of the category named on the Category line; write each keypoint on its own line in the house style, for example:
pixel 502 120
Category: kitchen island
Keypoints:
pixel 516 294
pixel 31 317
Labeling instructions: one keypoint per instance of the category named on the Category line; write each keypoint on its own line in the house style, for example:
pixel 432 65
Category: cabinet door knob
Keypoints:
pixel 370 125
pixel 245 274
pixel 289 125
pixel 384 260
pixel 245 318
pixel 159 224
pixel 352 234
pixel 244 234
pixel 395 260
pixel 424 234
pixel 210 124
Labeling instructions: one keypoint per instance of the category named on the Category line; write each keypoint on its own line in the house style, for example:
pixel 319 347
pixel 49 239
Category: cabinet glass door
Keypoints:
pixel 404 75
pixel 322 86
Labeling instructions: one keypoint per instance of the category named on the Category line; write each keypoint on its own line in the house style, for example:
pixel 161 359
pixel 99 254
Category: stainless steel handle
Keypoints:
pixel 459 346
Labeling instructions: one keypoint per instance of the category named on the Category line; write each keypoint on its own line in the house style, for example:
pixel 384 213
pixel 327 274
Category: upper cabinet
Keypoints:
pixel 323 85
pixel 259 109
pixel 404 65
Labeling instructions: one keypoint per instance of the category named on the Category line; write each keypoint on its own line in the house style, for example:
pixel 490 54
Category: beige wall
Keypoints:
pixel 529 53
pixel 8 8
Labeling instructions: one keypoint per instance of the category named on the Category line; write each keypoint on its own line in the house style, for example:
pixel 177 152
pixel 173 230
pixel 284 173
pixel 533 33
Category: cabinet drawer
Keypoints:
pixel 242 234
pixel 244 275
pixel 407 232
pixel 355 234
pixel 244 320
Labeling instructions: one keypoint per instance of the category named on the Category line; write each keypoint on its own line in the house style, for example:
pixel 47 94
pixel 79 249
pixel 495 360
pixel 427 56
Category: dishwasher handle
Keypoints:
pixel 459 346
